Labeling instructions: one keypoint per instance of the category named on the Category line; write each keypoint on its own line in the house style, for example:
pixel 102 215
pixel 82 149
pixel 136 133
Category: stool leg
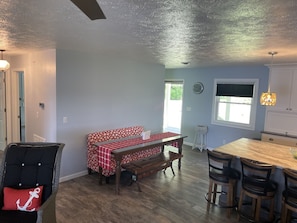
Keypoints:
pixel 240 204
pixel 258 209
pixel 289 215
pixel 253 211
pixel 283 214
pixel 214 196
pixel 230 200
pixel 271 210
pixel 209 194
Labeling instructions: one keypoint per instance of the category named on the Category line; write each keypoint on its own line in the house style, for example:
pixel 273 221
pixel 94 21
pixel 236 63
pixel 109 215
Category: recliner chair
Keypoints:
pixel 27 169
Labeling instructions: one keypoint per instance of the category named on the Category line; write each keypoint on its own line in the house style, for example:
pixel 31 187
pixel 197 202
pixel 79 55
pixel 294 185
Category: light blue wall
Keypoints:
pixel 99 92
pixel 201 104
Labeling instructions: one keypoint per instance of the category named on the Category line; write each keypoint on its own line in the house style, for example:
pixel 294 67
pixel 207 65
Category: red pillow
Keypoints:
pixel 22 199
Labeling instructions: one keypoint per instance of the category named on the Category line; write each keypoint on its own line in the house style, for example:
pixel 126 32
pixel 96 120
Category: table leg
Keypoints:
pixel 118 175
pixel 180 151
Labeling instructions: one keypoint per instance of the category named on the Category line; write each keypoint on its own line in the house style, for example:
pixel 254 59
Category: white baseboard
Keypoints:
pixel 188 143
pixel 191 145
pixel 72 176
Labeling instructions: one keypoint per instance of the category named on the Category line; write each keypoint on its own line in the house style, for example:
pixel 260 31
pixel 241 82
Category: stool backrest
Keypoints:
pixel 290 184
pixel 219 165
pixel 256 176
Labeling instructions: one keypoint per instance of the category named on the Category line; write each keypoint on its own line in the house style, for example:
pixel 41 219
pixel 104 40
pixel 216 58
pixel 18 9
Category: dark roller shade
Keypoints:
pixel 236 90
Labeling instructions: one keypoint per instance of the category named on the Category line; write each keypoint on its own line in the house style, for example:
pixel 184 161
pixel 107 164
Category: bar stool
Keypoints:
pixel 289 202
pixel 257 185
pixel 221 173
pixel 200 139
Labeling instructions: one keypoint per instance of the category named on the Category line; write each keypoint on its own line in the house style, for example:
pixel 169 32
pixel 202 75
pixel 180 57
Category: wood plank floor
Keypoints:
pixel 164 198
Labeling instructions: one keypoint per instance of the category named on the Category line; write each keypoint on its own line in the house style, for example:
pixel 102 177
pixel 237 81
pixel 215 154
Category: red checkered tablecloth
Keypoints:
pixel 106 159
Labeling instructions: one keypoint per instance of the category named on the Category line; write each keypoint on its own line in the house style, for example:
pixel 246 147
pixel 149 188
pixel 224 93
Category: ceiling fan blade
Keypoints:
pixel 91 8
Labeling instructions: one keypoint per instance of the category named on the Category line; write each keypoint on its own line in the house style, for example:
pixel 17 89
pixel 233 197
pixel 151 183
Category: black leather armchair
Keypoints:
pixel 28 165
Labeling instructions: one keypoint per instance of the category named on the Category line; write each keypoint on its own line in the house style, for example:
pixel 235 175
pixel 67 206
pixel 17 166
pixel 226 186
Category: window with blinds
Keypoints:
pixel 234 103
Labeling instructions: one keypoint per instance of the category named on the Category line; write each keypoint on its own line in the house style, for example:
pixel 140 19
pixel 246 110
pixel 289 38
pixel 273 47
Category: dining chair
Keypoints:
pixel 29 175
pixel 221 174
pixel 289 201
pixel 257 185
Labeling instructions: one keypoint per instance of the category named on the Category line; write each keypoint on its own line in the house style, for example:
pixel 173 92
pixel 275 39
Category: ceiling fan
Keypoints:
pixel 91 8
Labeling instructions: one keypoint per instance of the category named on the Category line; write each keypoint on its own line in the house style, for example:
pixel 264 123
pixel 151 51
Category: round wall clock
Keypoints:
pixel 198 88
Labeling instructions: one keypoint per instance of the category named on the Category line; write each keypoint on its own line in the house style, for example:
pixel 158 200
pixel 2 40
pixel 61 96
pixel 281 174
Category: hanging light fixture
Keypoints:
pixel 269 98
pixel 4 65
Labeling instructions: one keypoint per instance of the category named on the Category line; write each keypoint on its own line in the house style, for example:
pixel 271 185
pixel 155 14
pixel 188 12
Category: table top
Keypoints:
pixel 270 153
pixel 150 143
pixel 133 141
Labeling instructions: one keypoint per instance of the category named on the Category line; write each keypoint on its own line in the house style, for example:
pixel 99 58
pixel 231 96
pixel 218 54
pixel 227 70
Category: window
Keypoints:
pixel 235 103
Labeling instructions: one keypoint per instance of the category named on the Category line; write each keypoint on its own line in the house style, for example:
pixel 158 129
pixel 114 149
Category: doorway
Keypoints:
pixel 16 107
pixel 173 101
pixel 3 131
pixel 21 105
pixel 12 108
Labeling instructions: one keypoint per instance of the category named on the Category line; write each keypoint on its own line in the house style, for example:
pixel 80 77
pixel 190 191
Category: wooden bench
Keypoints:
pixel 150 165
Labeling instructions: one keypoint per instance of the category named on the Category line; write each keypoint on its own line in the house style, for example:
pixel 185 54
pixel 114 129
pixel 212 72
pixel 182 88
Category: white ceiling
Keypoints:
pixel 169 32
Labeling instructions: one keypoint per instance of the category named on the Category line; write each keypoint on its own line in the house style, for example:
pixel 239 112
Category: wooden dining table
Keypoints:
pixel 270 153
pixel 274 154
pixel 125 150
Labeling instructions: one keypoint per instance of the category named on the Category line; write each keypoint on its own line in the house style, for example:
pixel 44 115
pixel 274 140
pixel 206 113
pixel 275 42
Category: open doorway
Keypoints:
pixel 17 107
pixel 173 102
pixel 21 106
pixel 3 134
pixel 12 108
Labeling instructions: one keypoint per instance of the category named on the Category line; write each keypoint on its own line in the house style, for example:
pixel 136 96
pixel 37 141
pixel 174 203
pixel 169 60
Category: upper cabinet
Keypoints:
pixel 283 81
pixel 282 118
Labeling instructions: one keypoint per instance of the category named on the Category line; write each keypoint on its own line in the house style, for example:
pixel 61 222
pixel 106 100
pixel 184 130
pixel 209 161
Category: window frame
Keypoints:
pixel 251 125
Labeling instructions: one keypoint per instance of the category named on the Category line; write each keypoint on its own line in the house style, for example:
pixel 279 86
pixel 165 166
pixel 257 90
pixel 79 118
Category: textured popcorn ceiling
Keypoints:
pixel 169 32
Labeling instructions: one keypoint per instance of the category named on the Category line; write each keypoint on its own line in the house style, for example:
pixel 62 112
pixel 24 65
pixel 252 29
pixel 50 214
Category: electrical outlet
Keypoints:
pixel 65 119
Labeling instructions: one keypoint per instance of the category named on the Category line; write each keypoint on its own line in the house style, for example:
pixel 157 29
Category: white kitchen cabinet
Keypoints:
pixel 282 118
pixel 284 123
pixel 283 81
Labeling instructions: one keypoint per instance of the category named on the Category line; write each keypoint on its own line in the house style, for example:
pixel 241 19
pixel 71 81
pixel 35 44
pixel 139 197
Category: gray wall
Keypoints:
pixel 201 104
pixel 40 87
pixel 97 92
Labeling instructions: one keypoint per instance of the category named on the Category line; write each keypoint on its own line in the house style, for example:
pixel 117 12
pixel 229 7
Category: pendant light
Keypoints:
pixel 269 98
pixel 4 65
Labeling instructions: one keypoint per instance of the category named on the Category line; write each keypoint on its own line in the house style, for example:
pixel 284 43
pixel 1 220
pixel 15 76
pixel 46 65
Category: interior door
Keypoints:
pixel 2 112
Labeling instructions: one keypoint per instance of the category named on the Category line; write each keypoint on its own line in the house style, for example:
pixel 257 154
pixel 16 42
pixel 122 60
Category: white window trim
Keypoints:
pixel 252 124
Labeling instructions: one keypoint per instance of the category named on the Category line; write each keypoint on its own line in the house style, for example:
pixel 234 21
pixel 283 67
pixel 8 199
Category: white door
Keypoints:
pixel 2 112
pixel 173 102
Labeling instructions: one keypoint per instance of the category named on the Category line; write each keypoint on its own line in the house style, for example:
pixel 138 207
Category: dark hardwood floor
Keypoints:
pixel 164 198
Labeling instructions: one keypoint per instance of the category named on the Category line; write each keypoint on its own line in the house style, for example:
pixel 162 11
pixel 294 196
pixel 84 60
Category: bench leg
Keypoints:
pixel 172 170
pixel 134 179
pixel 138 186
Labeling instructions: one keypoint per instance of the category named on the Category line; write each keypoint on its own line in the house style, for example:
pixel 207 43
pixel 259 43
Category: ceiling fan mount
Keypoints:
pixel 91 8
